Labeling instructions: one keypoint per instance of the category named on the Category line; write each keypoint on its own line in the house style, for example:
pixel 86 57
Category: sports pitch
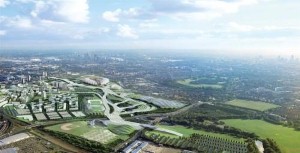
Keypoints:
pixel 255 105
pixel 96 106
pixel 81 128
pixel 287 138
pixel 188 83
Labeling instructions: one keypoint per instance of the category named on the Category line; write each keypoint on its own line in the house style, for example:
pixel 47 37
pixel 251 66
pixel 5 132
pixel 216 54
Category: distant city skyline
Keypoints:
pixel 238 26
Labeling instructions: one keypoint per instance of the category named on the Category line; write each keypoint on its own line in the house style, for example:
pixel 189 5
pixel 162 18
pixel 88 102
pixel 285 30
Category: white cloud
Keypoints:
pixel 126 31
pixel 149 24
pixel 78 37
pixel 112 16
pixel 4 3
pixel 131 13
pixel 238 27
pixel 62 10
pixel 2 32
pixel 104 30
pixel 198 9
pixel 219 6
pixel 196 16
pixel 50 23
pixel 74 11
pixel 17 21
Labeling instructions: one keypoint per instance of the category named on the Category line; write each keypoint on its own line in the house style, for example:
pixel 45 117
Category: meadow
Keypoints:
pixel 121 129
pixel 188 83
pixel 255 105
pixel 189 131
pixel 1 95
pixel 287 138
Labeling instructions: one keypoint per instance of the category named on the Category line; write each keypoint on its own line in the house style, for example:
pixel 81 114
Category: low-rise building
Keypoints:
pixel 135 147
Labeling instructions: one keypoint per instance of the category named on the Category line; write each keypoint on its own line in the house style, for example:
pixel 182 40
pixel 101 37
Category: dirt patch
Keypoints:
pixel 35 145
pixel 66 127
pixel 159 149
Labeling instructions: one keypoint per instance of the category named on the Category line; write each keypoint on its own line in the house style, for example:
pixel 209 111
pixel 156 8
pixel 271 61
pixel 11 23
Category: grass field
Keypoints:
pixel 1 95
pixel 187 82
pixel 188 131
pixel 255 105
pixel 134 96
pixel 287 138
pixel 80 128
pixel 114 98
pixel 121 129
pixel 36 98
pixel 96 106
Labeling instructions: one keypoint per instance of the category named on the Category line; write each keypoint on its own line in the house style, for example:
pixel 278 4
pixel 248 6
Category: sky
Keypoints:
pixel 231 25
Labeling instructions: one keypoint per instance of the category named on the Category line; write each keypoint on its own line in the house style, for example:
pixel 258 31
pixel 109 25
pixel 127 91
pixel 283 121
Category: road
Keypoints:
pixel 171 113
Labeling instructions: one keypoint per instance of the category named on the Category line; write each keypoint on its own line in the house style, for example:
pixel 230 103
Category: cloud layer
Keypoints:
pixel 216 24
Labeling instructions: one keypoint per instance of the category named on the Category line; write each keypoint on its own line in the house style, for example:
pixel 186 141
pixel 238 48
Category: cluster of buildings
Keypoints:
pixel 56 102
pixel 61 101
pixel 44 99
pixel 135 147
pixel 56 106
pixel 22 93
pixel 95 81
pixel 61 85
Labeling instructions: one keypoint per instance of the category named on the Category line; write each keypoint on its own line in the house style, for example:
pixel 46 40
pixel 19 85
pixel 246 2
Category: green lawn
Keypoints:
pixel 162 134
pixel 114 99
pixel 134 96
pixel 255 105
pixel 187 82
pixel 287 138
pixel 36 98
pixel 121 129
pixel 96 106
pixel 81 128
pixel 1 95
pixel 96 102
pixel 188 131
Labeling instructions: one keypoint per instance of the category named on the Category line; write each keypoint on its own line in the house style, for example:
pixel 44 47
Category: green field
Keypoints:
pixel 1 95
pixel 287 138
pixel 80 128
pixel 36 98
pixel 134 96
pixel 255 105
pixel 114 99
pixel 121 129
pixel 189 131
pixel 188 82
pixel 96 106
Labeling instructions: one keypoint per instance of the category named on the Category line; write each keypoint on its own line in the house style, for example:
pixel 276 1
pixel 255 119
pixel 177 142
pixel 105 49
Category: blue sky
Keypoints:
pixel 239 25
